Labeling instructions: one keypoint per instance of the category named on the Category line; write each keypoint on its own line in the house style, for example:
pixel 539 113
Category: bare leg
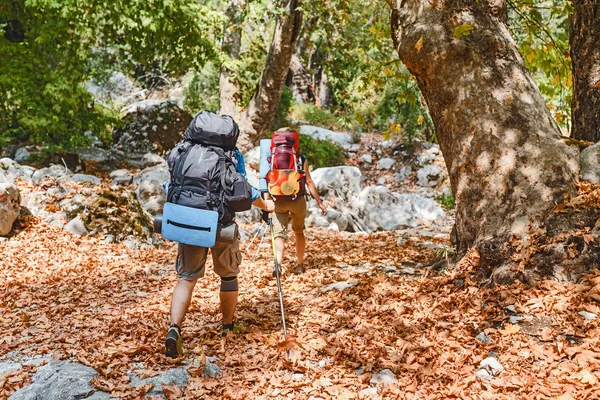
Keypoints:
pixel 300 246
pixel 279 247
pixel 228 304
pixel 182 296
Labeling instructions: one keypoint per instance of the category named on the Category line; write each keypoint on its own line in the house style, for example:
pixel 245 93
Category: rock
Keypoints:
pixel 341 286
pixel 385 163
pixel 425 159
pixel 483 374
pixel 492 366
pixel 22 155
pixel 590 163
pixel 9 366
pixel 369 392
pixel 151 127
pixel 119 173
pixel 381 209
pixel 80 178
pixel 10 207
pixel 511 308
pixel 58 172
pixel 365 158
pixel 429 176
pixel 59 380
pixel 385 377
pixel 341 139
pixel 343 182
pixel 334 227
pixel 92 155
pixel 403 174
pixel 252 158
pixel 172 376
pixel 150 191
pixel 122 181
pixel 76 227
pixel 513 319
pixel 483 338
pixel 588 315
pixel 119 89
pixel 354 148
pixel 151 160
pixel 10 171
pixel 211 370
pixel 381 181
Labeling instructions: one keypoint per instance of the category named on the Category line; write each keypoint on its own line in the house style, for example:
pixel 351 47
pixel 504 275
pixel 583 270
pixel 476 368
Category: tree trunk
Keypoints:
pixel 232 39
pixel 507 163
pixel 256 120
pixel 300 82
pixel 585 55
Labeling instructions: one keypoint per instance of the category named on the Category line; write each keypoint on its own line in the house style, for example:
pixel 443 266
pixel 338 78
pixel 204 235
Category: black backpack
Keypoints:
pixel 204 168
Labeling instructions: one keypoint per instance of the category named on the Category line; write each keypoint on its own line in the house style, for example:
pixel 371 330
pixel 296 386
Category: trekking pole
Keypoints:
pixel 262 237
pixel 278 277
pixel 260 228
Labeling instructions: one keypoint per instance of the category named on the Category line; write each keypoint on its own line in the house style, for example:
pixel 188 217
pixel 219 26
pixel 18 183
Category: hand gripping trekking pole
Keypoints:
pixel 278 277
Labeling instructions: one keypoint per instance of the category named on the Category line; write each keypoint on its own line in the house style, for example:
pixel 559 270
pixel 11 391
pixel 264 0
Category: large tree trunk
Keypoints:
pixel 232 41
pixel 300 82
pixel 261 110
pixel 585 55
pixel 508 166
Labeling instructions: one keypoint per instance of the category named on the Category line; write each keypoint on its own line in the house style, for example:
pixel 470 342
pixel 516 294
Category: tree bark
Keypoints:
pixel 300 82
pixel 507 163
pixel 256 120
pixel 585 55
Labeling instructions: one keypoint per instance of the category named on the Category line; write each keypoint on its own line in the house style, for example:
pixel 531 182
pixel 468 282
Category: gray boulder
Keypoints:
pixel 151 160
pixel 149 188
pixel 10 207
pixel 177 376
pixel 22 155
pixel 429 176
pixel 81 178
pixel 252 158
pixel 92 155
pixel 365 158
pixel 62 380
pixel 341 139
pixel 10 171
pixel 343 182
pixel 590 164
pixel 58 172
pixel 381 209
pixel 76 227
pixel 385 163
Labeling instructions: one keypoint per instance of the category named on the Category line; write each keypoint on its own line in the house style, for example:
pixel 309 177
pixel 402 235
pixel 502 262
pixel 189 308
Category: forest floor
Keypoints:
pixel 106 306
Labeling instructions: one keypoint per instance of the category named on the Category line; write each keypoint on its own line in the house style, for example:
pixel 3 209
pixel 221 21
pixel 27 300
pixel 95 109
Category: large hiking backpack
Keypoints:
pixel 286 178
pixel 204 168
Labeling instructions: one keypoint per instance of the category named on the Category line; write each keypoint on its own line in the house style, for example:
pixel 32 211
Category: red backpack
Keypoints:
pixel 286 179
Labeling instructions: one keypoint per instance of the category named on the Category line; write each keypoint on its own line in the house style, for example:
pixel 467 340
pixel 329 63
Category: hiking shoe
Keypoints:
pixel 174 342
pixel 299 269
pixel 226 329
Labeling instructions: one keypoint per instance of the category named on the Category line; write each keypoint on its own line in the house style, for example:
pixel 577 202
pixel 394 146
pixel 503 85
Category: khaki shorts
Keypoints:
pixel 191 260
pixel 286 210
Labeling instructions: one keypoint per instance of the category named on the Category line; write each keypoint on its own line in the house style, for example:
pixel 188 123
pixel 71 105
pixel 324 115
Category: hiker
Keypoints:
pixel 202 169
pixel 288 166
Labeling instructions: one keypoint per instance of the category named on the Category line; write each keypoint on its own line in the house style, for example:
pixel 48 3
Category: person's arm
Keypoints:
pixel 257 201
pixel 313 189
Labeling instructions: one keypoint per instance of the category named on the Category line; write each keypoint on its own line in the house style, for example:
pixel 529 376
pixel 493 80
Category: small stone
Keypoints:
pixel 354 148
pixel 365 158
pixel 385 163
pixel 211 370
pixel 513 319
pixel 588 315
pixel 381 181
pixel 22 155
pixel 385 377
pixel 492 366
pixel 119 172
pixel 81 178
pixel 483 374
pixel 510 308
pixel 122 181
pixel 76 227
pixel 483 338
pixel 359 371
pixel 368 392
pixel 341 286
pixel 334 227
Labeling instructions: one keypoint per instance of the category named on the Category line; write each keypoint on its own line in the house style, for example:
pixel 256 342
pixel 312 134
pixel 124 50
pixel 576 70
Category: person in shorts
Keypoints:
pixel 190 266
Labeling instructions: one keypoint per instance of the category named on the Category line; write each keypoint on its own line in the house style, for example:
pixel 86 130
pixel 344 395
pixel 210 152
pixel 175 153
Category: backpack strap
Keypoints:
pixel 179 163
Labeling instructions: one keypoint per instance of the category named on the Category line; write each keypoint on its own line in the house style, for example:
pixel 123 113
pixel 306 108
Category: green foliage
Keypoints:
pixel 446 201
pixel 202 91
pixel 314 115
pixel 283 110
pixel 541 29
pixel 321 153
pixel 43 71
